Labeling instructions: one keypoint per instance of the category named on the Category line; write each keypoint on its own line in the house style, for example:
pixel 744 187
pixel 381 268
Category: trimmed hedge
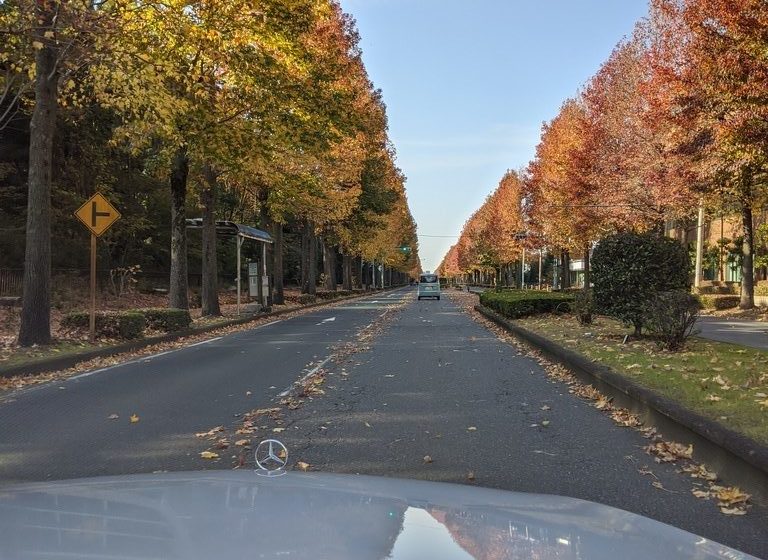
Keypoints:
pixel 111 324
pixel 520 303
pixel 712 301
pixel 166 320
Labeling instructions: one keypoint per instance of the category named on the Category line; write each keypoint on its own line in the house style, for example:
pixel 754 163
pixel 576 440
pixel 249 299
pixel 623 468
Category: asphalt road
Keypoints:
pixel 416 389
pixel 62 430
pixel 735 331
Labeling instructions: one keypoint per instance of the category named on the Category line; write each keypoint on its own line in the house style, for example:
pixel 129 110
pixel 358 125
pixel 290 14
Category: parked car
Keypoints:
pixel 429 286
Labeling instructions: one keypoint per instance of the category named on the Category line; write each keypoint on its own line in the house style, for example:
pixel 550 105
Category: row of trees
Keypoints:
pixel 261 109
pixel 675 119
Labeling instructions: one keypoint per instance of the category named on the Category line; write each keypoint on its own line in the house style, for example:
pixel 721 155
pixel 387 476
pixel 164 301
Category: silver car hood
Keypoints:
pixel 238 514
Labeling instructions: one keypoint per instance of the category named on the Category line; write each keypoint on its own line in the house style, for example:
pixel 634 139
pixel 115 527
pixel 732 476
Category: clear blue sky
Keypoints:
pixel 468 84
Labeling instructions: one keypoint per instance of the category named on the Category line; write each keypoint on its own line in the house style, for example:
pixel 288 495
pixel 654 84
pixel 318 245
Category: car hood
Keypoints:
pixel 239 514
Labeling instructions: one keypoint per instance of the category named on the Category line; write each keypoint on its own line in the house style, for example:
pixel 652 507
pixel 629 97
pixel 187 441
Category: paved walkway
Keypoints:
pixel 735 331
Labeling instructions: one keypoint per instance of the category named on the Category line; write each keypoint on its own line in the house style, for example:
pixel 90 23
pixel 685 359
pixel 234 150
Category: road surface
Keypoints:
pixel 404 381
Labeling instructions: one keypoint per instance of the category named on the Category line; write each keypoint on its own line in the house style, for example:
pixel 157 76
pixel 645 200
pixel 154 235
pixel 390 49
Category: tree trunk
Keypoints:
pixel 209 293
pixel 346 269
pixel 565 270
pixel 278 296
pixel 747 264
pixel 179 284
pixel 360 267
pixel 36 302
pixel 587 274
pixel 304 256
pixel 310 279
pixel 329 266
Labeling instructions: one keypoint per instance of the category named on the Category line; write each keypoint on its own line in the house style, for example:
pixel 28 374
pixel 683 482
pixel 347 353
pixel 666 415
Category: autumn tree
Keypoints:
pixel 44 43
pixel 709 65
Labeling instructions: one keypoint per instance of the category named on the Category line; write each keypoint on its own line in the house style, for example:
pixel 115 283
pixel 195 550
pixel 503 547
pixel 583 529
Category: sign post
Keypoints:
pixel 98 215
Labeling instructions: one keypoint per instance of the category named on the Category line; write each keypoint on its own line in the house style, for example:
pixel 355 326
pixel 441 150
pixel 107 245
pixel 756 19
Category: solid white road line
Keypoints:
pixel 287 390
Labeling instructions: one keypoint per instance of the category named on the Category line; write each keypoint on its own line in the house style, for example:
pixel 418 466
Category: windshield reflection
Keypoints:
pixel 211 518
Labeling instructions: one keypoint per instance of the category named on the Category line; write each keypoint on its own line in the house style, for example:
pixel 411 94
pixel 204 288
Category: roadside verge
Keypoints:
pixel 735 456
pixel 67 361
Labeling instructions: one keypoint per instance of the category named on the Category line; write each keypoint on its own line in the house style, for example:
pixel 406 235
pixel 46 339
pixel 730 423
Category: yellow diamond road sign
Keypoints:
pixel 97 214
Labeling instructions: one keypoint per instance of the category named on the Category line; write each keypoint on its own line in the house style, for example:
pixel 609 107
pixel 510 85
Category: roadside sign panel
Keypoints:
pixel 97 214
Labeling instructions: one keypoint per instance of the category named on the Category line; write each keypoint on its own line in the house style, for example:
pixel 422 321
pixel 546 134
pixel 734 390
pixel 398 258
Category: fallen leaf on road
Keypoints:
pixel 210 433
pixel 367 425
pixel 389 375
pixel 209 455
pixel 733 511
pixel 223 443
pixel 427 459
pixel 669 451
pixel 471 475
pixel 625 418
pixel 277 430
pixel 603 403
pixel 730 496
pixel 303 466
pixel 546 407
pixel 700 471
pixel 657 484
pixel 701 493
pixel 248 393
pixel 545 422
pixel 134 418
pixel 112 417
pixel 243 442
pixel 472 429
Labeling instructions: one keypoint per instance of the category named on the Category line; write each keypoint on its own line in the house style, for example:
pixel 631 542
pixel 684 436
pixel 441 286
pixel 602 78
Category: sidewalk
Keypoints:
pixel 736 331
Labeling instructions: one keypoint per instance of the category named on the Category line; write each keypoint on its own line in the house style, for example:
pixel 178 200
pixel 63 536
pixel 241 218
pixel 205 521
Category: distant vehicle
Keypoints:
pixel 429 286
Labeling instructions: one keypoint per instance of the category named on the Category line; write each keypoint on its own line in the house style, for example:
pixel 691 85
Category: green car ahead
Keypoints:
pixel 429 286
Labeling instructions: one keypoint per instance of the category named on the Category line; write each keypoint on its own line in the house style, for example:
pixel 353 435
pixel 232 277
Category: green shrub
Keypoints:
pixel 761 289
pixel 584 307
pixel 327 294
pixel 714 301
pixel 304 299
pixel 166 320
pixel 519 303
pixel 110 324
pixel 671 316
pixel 630 269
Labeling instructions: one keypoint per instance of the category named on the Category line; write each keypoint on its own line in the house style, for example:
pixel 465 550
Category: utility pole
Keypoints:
pixel 699 244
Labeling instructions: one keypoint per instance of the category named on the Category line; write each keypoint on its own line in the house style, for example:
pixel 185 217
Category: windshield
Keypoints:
pixel 512 245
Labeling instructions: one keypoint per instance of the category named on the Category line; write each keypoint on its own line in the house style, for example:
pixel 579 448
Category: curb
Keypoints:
pixel 68 361
pixel 735 456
